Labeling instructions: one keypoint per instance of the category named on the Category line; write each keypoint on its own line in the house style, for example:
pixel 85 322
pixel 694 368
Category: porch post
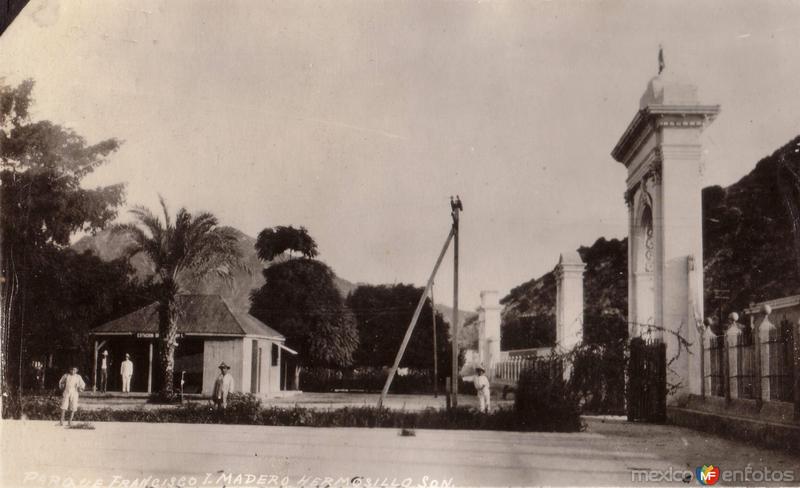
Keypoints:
pixel 150 369
pixel 94 369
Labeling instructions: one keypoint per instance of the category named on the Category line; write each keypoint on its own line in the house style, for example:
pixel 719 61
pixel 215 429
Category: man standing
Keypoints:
pixel 72 384
pixel 223 386
pixel 126 371
pixel 481 383
pixel 104 371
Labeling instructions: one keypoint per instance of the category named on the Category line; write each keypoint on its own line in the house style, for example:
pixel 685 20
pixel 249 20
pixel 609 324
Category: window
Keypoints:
pixel 275 352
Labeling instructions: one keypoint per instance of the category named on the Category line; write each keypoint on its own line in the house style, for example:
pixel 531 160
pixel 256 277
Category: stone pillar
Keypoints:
pixel 733 338
pixel 767 332
pixel 489 330
pixel 569 300
pixel 661 149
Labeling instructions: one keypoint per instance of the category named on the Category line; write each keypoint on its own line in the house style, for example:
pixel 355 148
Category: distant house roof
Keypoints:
pixel 208 315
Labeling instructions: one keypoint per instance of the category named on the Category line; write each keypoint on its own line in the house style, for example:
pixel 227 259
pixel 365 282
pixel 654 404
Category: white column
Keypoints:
pixel 732 339
pixel 489 331
pixel 662 150
pixel 766 332
pixel 569 300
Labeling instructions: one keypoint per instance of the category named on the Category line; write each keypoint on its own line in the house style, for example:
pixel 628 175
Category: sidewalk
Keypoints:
pixel 215 455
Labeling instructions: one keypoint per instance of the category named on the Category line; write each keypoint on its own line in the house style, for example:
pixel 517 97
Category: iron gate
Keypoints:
pixel 647 381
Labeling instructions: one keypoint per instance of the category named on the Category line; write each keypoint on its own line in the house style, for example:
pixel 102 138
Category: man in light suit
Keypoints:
pixel 222 387
pixel 126 371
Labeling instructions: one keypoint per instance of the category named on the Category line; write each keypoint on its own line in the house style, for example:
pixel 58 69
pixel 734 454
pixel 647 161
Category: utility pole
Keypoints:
pixel 413 322
pixel 435 354
pixel 456 207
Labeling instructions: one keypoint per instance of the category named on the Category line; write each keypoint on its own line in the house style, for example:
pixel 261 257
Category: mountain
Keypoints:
pixel 108 246
pixel 748 248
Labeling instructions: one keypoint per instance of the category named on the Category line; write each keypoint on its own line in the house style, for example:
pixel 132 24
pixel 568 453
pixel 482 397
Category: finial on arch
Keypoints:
pixel 661 63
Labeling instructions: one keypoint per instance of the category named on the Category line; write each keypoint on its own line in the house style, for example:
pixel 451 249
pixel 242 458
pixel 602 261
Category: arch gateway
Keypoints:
pixel 662 151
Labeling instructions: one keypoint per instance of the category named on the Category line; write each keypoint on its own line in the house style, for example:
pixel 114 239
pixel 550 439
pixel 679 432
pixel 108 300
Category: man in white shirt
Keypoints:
pixel 72 384
pixel 126 371
pixel 223 386
pixel 481 383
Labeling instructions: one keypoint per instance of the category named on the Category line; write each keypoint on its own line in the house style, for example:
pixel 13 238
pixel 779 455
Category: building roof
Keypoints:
pixel 208 315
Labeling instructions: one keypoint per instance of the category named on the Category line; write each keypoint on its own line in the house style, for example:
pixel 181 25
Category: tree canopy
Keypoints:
pixel 273 242
pixel 383 313
pixel 43 203
pixel 300 300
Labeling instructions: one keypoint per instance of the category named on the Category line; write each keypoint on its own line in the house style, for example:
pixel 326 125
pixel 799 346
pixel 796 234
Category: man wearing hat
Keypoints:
pixel 481 383
pixel 223 386
pixel 126 371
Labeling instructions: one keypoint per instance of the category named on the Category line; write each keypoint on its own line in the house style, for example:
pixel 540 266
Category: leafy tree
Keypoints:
pixel 275 241
pixel 300 300
pixel 383 313
pixel 183 252
pixel 527 331
pixel 43 204
pixel 74 293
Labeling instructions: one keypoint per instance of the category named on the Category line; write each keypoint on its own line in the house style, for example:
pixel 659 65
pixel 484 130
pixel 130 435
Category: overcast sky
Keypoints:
pixel 359 119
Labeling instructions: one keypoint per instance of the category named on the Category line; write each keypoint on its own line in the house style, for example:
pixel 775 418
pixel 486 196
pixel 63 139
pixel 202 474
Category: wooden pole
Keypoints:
pixel 150 369
pixel 411 325
pixel 94 369
pixel 454 375
pixel 435 355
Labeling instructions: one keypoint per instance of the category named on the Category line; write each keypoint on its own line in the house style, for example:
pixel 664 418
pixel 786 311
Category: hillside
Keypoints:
pixel 108 246
pixel 748 249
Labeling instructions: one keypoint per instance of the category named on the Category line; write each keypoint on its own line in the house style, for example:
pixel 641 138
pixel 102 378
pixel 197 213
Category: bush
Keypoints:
pixel 34 407
pixel 598 376
pixel 543 401
pixel 246 409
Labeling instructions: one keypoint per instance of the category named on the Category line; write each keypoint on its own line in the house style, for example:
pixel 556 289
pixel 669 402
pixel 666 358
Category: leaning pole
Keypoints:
pixel 413 322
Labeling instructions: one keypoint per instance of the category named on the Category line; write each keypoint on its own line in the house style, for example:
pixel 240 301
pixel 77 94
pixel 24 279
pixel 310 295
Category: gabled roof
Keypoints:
pixel 208 315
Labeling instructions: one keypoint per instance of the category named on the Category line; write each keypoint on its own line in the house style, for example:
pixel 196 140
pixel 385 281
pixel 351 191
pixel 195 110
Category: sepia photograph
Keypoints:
pixel 399 243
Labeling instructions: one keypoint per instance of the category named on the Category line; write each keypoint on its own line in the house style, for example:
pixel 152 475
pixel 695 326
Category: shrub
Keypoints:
pixel 34 407
pixel 598 376
pixel 243 408
pixel 543 401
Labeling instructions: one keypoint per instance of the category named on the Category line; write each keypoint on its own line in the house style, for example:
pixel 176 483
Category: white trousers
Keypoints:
pixel 126 384
pixel 484 400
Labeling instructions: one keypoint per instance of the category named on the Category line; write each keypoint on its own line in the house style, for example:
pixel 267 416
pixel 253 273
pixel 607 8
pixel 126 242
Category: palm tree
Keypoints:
pixel 182 253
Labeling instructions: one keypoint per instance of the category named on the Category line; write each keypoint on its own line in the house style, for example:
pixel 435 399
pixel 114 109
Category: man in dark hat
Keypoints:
pixel 223 386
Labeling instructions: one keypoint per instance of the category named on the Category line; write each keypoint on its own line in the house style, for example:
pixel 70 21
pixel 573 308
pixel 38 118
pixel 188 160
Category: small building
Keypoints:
pixel 210 331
